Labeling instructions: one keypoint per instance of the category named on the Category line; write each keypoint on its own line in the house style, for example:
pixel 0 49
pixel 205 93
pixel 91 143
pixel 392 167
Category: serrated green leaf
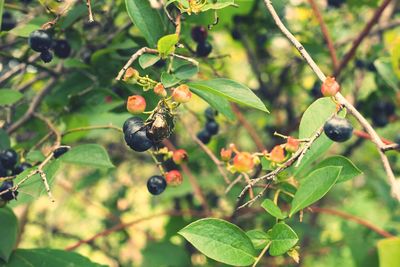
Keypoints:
pixel 314 187
pixel 349 170
pixel 147 19
pixel 147 60
pixel 273 209
pixel 282 238
pixel 232 91
pixel 221 241
pixel 88 155
pixel 259 238
pixel 8 232
pixel 9 97
pixel 48 258
pixel 166 44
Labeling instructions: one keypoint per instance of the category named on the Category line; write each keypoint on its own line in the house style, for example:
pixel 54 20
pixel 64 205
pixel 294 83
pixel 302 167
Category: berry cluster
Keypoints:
pixel 41 41
pixel 199 35
pixel 9 167
pixel 8 21
pixel 211 128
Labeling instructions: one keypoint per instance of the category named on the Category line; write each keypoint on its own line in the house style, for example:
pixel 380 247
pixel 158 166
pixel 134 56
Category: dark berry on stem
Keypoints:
pixel 39 40
pixel 212 127
pixel 59 151
pixel 46 56
pixel 62 49
pixel 203 49
pixel 135 134
pixel 204 136
pixel 8 22
pixel 8 158
pixel 156 184
pixel 210 114
pixel 199 34
pixel 3 171
pixel 22 167
pixel 338 129
pixel 10 195
pixel 235 33
pixel 380 119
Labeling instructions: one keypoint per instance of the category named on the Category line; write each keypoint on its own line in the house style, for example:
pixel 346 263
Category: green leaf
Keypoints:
pixel 88 155
pixel 385 70
pixel 147 60
pixel 388 250
pixel 9 97
pixel 166 44
pixel 48 258
pixel 217 5
pixel 23 30
pixel 273 209
pixel 282 238
pixel 1 11
pixel 147 19
pixel 349 170
pixel 232 91
pixel 159 254
pixel 8 232
pixel 186 71
pixel 221 241
pixel 314 187
pixel 259 238
pixel 313 118
pixel 4 140
pixel 219 103
pixel 169 80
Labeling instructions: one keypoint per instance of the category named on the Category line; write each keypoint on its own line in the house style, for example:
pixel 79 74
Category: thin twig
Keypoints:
pixel 89 7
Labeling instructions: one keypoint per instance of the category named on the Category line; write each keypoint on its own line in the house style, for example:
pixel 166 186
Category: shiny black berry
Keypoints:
pixel 199 34
pixel 8 158
pixel 135 134
pixel 204 136
pixel 58 152
pixel 384 107
pixel 8 22
pixel 9 195
pixel 338 129
pixel 39 40
pixel 210 114
pixel 156 184
pixel 20 168
pixel 203 49
pixel 46 56
pixel 212 127
pixel 62 49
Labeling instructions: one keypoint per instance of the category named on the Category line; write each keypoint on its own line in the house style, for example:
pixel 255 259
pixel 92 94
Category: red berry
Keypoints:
pixel 292 144
pixel 277 154
pixel 136 104
pixel 173 178
pixel 131 74
pixel 226 154
pixel 182 94
pixel 243 162
pixel 330 87
pixel 179 156
pixel 159 89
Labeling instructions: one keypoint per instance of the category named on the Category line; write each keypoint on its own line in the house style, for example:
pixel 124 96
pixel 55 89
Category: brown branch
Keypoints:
pixel 391 147
pixel 32 107
pixel 122 226
pixel 89 8
pixel 364 33
pixel 198 192
pixel 352 218
pixel 325 33
pixel 395 186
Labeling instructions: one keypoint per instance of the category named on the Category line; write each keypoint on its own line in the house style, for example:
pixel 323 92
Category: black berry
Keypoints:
pixel 135 134
pixel 156 184
pixel 46 56
pixel 338 129
pixel 204 136
pixel 203 49
pixel 39 40
pixel 62 49
pixel 161 63
pixel 380 119
pixel 3 171
pixel 8 22
pixel 22 167
pixel 9 195
pixel 199 34
pixel 235 33
pixel 210 114
pixel 212 127
pixel 335 3
pixel 8 158
pixel 59 151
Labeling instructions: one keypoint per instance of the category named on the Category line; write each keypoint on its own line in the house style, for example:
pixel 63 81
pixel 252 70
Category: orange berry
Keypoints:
pixel 182 94
pixel 179 156
pixel 159 89
pixel 243 162
pixel 277 154
pixel 136 104
pixel 292 144
pixel 226 154
pixel 173 178
pixel 330 87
